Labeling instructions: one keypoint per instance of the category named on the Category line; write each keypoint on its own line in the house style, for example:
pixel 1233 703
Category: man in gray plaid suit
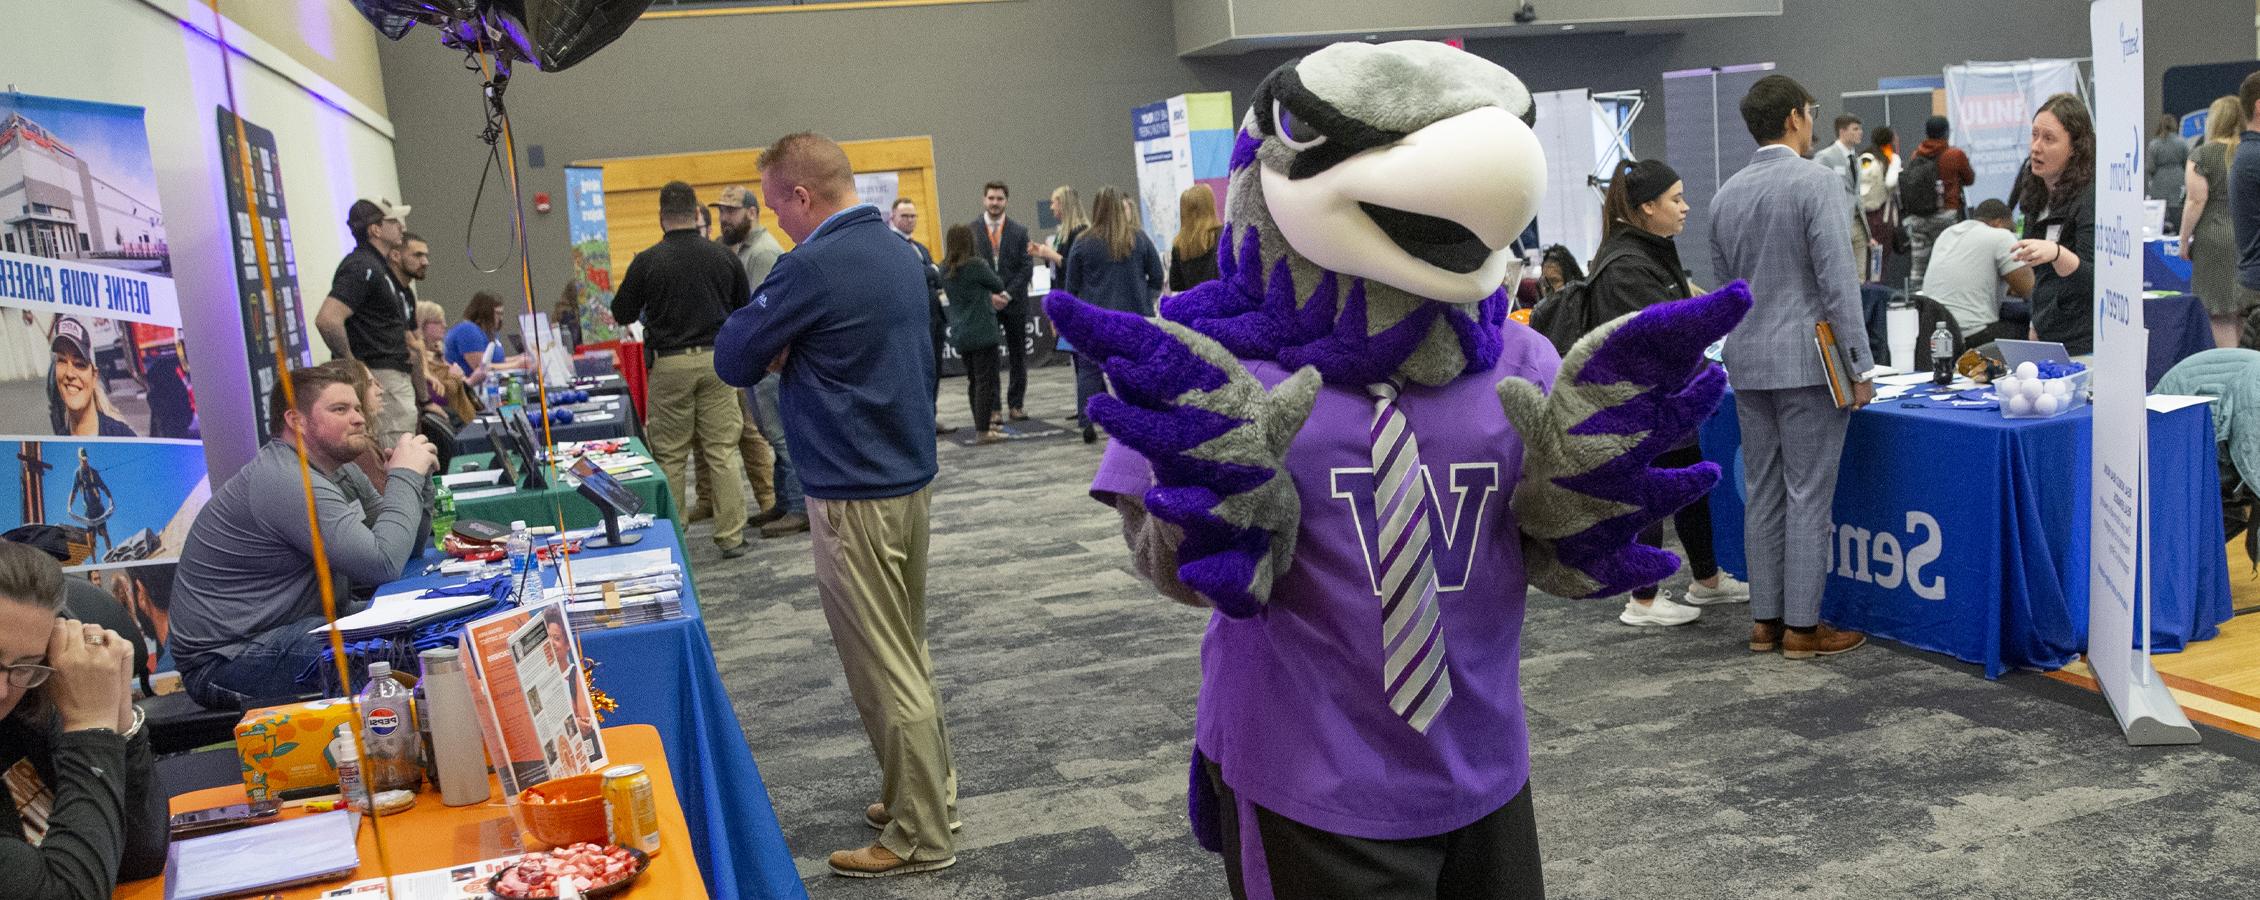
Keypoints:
pixel 1782 224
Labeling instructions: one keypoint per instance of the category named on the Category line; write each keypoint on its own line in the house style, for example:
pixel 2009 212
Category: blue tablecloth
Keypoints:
pixel 602 417
pixel 2163 268
pixel 1964 533
pixel 663 675
pixel 2178 328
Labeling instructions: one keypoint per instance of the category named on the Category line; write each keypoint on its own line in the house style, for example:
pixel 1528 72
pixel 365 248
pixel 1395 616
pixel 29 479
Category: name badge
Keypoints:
pixel 2055 234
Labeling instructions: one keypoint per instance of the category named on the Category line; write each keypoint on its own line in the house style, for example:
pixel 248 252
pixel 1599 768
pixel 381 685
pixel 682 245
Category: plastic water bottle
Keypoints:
pixel 389 733
pixel 350 786
pixel 443 514
pixel 1941 355
pixel 517 391
pixel 525 571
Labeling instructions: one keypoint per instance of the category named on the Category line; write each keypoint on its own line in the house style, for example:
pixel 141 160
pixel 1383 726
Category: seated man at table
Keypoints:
pixel 245 597
pixel 1970 265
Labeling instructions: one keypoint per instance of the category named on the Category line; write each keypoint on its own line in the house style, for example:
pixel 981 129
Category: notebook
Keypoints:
pixel 320 847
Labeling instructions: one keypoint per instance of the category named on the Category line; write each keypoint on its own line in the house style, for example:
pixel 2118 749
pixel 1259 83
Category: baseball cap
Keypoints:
pixel 370 212
pixel 737 197
pixel 69 330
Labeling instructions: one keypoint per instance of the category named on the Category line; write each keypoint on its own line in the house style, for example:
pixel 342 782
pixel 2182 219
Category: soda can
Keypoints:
pixel 634 814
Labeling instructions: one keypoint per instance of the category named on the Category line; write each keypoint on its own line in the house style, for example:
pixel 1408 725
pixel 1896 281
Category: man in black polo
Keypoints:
pixel 682 289
pixel 370 316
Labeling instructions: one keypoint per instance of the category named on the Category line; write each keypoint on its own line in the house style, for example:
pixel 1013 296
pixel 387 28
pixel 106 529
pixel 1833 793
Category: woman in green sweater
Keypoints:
pixel 975 294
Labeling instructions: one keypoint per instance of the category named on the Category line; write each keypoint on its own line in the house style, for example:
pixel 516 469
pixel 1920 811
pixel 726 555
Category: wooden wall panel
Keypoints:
pixel 631 188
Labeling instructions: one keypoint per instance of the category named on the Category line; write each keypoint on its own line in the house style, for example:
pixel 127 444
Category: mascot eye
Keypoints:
pixel 1293 131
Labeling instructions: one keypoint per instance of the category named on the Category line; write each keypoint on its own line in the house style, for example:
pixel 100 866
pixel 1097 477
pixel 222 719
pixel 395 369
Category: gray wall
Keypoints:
pixel 1234 26
pixel 1039 92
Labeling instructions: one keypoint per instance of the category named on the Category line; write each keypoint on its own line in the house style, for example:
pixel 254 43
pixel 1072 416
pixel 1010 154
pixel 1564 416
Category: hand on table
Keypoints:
pixel 92 665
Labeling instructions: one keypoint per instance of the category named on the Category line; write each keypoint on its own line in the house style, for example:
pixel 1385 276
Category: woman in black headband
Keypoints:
pixel 1637 267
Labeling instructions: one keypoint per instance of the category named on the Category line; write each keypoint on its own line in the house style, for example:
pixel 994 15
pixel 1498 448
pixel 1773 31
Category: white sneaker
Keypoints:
pixel 1730 590
pixel 1661 612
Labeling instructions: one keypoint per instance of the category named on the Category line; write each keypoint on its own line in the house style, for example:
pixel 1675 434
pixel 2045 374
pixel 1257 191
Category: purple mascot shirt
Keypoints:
pixel 1292 707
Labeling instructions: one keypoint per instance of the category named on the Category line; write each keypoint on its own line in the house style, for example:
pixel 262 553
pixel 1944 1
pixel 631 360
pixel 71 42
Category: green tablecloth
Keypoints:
pixel 544 506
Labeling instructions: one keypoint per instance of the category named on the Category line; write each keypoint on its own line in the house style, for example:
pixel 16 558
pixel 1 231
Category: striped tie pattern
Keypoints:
pixel 1413 672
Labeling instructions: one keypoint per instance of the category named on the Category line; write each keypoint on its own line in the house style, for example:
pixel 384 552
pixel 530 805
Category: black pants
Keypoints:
pixel 1692 520
pixel 1495 858
pixel 981 385
pixel 1014 318
pixel 939 326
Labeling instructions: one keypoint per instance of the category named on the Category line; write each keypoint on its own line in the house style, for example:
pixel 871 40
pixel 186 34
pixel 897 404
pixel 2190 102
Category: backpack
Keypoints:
pixel 1872 195
pixel 1567 314
pixel 1920 193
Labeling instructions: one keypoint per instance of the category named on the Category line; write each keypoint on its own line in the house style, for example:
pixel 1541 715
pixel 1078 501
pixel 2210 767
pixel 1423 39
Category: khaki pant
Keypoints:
pixel 688 403
pixel 396 412
pixel 753 450
pixel 871 575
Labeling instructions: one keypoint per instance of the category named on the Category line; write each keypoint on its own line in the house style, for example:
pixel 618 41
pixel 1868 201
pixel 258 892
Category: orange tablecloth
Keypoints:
pixel 434 835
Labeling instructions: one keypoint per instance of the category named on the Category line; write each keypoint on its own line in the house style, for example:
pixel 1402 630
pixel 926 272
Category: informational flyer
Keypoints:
pixel 532 700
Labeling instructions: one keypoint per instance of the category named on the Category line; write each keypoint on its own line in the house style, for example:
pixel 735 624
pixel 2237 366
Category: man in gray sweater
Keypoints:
pixel 245 597
pixel 1783 225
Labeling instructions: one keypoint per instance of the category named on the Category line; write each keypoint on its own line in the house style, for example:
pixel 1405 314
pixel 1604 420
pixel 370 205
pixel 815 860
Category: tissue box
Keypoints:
pixel 285 748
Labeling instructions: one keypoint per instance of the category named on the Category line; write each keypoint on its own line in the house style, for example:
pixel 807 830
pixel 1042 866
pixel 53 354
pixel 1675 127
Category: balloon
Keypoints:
pixel 551 34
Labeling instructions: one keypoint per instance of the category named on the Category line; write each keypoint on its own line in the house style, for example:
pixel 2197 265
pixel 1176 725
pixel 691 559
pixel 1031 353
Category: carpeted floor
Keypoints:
pixel 1669 763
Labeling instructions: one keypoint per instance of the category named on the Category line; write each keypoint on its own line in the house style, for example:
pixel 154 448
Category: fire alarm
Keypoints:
pixel 541 202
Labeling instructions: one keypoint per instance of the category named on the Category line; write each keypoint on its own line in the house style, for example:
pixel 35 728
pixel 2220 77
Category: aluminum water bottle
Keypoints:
pixel 458 756
pixel 388 735
pixel 1941 355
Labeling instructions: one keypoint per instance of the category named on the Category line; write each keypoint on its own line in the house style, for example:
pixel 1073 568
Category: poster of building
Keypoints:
pixel 287 315
pixel 97 408
pixel 592 252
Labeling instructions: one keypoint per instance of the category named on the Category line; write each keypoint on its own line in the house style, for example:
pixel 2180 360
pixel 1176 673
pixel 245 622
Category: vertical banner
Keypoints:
pixel 260 324
pixel 96 408
pixel 2118 601
pixel 1571 213
pixel 1182 141
pixel 1990 107
pixel 592 252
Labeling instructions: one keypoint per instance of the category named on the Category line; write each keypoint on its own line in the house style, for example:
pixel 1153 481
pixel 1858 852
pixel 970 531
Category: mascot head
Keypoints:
pixel 1375 192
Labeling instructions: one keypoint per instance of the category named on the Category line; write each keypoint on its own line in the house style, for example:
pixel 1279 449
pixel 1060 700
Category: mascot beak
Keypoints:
pixel 1432 214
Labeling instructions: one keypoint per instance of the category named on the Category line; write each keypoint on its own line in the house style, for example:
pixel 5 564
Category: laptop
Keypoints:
pixel 2015 353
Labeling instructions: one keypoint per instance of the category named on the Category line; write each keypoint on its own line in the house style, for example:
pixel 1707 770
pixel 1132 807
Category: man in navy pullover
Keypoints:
pixel 842 320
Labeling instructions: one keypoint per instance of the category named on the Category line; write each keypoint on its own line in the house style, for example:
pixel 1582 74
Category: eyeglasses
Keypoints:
pixel 1813 111
pixel 27 676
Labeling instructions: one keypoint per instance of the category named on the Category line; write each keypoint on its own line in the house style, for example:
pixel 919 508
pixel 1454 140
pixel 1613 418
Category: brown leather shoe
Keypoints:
pixel 879 862
pixel 1765 637
pixel 789 523
pixel 1821 641
pixel 877 817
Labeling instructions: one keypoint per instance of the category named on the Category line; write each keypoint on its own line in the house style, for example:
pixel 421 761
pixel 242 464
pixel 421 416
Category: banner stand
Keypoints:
pixel 2119 572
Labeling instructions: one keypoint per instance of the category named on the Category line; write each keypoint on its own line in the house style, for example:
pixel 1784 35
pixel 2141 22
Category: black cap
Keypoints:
pixel 1935 128
pixel 1645 179
pixel 677 199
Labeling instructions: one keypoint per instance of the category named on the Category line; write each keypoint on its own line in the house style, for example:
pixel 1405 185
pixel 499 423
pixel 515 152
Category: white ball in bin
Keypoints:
pixel 2047 404
pixel 2019 405
pixel 2057 387
pixel 2027 371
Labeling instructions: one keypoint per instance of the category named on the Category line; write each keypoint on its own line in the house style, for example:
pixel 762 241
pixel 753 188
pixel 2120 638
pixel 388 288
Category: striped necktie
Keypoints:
pixel 1413 671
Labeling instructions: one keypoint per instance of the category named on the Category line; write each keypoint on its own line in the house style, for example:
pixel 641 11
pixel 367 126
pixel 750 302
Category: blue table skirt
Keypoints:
pixel 622 423
pixel 1989 517
pixel 2163 269
pixel 2179 328
pixel 663 675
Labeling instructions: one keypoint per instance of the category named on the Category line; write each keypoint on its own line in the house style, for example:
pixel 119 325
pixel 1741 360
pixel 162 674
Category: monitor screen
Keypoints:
pixel 601 487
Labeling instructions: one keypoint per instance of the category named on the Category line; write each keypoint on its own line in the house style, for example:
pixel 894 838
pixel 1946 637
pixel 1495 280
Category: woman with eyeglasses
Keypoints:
pixel 82 810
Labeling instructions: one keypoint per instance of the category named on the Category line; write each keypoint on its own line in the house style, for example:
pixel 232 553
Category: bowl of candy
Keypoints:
pixel 563 811
pixel 590 870
pixel 2042 390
